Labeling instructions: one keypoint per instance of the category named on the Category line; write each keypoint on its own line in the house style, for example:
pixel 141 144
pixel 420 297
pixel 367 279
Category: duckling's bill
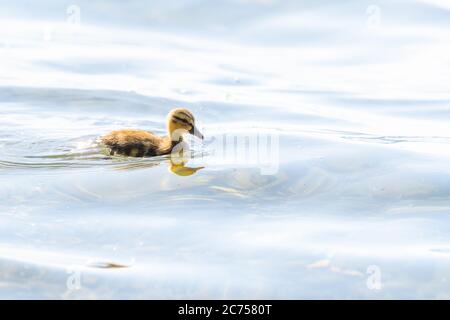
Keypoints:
pixel 195 132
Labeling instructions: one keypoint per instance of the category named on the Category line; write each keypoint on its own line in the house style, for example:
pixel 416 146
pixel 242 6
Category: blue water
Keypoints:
pixel 357 204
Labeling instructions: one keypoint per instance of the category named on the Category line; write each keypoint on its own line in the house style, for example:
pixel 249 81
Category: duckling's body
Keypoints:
pixel 137 143
pixel 141 143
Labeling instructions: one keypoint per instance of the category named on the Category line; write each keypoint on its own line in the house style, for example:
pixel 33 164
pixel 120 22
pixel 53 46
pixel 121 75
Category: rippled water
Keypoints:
pixel 357 94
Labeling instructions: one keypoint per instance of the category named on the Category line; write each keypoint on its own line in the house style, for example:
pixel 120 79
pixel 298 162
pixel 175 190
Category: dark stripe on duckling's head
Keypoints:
pixel 182 116
pixel 186 114
pixel 184 121
pixel 182 113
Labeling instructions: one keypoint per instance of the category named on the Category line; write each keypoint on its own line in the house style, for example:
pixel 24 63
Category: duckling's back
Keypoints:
pixel 134 143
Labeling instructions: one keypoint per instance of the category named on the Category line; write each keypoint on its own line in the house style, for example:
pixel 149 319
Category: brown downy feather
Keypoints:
pixel 137 143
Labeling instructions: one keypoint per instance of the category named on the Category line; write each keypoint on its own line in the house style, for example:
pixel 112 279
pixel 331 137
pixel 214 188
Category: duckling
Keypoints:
pixel 140 143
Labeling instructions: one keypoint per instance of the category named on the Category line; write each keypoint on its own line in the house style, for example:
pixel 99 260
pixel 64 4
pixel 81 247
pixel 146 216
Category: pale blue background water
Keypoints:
pixel 358 93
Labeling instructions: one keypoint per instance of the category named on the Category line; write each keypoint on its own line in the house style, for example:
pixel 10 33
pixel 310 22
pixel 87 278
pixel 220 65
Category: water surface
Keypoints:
pixel 362 182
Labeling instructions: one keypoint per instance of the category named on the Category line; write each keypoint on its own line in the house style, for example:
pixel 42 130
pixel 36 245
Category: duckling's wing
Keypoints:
pixel 135 143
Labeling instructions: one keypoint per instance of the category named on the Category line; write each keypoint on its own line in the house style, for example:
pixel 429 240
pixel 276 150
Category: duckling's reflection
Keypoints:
pixel 179 168
pixel 182 170
pixel 178 159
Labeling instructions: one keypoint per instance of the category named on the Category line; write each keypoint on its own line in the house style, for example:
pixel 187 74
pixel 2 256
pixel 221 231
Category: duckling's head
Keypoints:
pixel 179 121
